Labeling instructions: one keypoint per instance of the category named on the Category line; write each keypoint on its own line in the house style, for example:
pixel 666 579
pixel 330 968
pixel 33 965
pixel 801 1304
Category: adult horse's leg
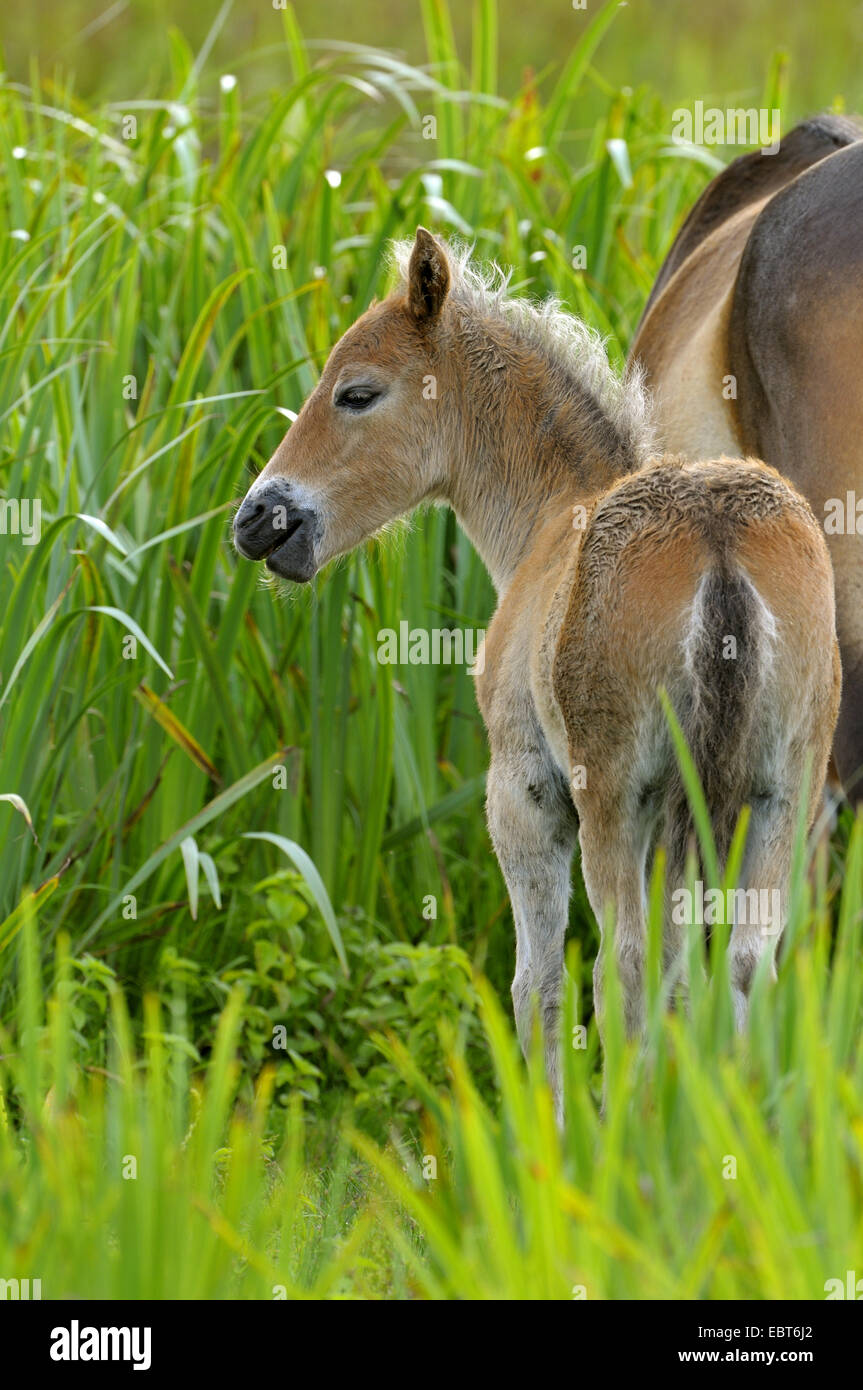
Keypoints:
pixel 533 828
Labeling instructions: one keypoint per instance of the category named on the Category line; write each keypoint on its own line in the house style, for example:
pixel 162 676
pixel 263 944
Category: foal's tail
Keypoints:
pixel 722 703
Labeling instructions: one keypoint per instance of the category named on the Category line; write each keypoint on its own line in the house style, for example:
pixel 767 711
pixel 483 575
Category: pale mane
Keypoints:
pixel 547 325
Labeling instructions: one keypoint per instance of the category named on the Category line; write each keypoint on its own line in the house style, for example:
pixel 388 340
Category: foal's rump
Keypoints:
pixel 711 580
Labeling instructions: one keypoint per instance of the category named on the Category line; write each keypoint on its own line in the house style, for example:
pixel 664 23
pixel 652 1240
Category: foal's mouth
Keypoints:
pixel 288 531
pixel 292 556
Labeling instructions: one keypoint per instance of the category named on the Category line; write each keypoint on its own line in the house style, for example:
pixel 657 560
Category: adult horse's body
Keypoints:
pixel 752 343
pixel 615 576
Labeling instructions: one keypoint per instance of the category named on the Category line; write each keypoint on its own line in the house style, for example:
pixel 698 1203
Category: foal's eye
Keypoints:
pixel 357 397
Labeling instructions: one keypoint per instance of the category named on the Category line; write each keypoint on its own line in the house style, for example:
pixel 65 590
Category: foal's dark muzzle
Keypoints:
pixel 270 527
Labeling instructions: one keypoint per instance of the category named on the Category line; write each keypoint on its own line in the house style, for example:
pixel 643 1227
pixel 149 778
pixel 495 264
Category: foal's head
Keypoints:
pixel 365 447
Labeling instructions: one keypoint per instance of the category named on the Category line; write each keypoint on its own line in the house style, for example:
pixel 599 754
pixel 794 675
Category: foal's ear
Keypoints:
pixel 428 278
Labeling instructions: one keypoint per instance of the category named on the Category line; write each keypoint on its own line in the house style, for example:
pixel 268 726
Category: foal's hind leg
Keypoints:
pixel 612 861
pixel 758 924
pixel 533 828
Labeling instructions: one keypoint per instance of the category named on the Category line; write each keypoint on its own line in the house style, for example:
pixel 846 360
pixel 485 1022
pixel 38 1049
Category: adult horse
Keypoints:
pixel 752 343
pixel 616 575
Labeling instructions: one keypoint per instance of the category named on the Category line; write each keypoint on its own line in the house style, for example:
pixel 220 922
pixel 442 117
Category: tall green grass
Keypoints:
pixel 719 1167
pixel 140 1179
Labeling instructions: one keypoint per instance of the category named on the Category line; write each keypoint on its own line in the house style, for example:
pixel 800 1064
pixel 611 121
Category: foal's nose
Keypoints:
pixel 259 525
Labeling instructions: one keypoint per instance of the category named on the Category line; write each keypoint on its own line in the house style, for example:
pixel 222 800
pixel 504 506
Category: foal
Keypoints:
pixel 615 575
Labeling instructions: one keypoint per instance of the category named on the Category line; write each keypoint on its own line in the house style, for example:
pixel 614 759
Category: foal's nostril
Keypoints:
pixel 254 525
pixel 249 512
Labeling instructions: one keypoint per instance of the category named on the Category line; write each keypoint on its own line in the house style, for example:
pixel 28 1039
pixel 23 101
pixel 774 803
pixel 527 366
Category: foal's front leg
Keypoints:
pixel 533 827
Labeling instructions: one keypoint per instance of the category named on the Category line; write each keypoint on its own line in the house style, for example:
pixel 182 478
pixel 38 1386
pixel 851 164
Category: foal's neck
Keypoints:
pixel 526 440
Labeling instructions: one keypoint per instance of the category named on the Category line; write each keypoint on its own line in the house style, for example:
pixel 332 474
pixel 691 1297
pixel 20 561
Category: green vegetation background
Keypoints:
pixel 680 47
